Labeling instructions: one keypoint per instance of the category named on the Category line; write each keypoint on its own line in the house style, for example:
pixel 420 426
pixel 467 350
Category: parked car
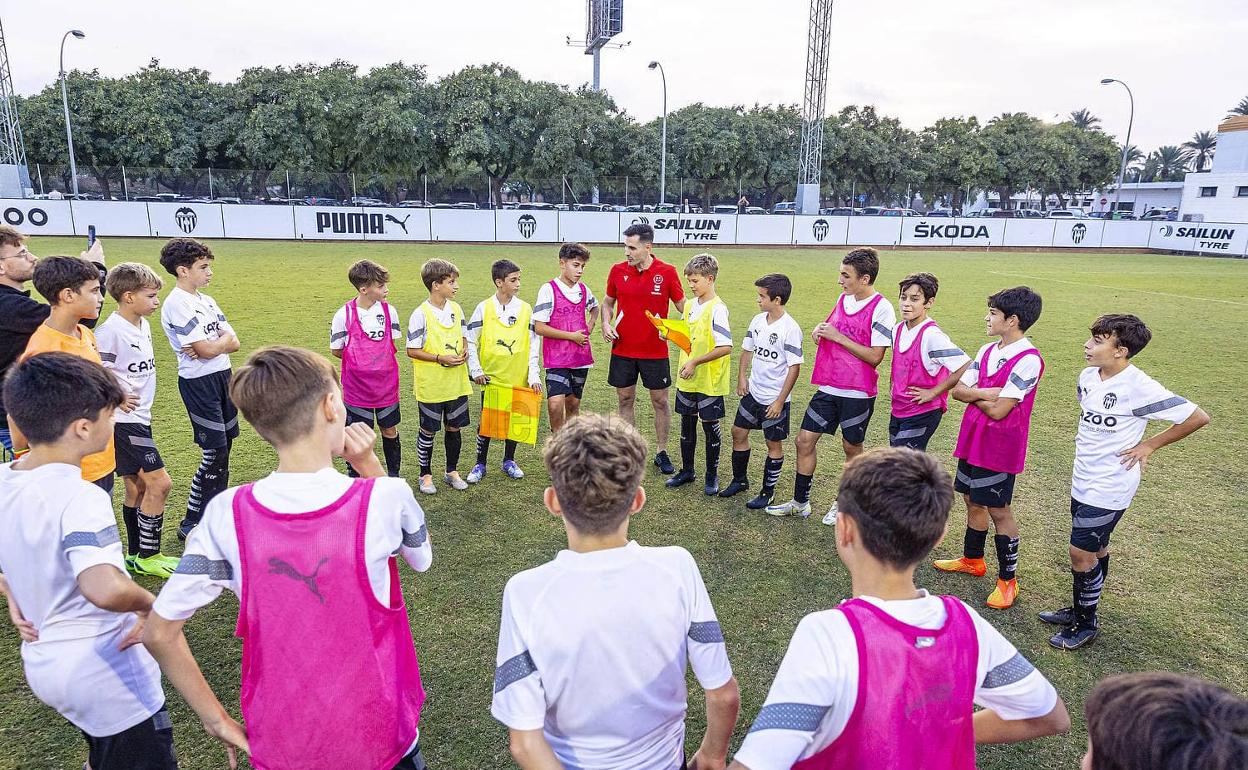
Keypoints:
pixel 469 205
pixel 994 213
pixel 227 200
pixel 784 207
pixel 1031 213
pixel 898 212
pixel 938 213
pixel 755 210
pixel 837 211
pixel 536 206
pixel 665 208
pixel 1157 215
pixel 1066 214
pixel 871 211
pixel 640 209
pixel 592 207
pixel 413 204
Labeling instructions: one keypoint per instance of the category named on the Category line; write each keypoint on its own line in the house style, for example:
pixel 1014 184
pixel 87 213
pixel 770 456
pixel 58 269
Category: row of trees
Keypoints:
pixel 393 126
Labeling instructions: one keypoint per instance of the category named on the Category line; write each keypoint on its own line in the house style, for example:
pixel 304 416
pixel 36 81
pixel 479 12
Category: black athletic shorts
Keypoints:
pixel 914 431
pixel 146 746
pixel 453 413
pixel 827 412
pixel 707 408
pixel 1090 527
pixel 566 382
pixel 135 448
pixel 384 417
pixel 413 761
pixel 214 418
pixel 656 373
pixel 752 415
pixel 994 489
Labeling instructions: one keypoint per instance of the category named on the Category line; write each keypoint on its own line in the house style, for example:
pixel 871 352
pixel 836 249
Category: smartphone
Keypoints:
pixel 90 236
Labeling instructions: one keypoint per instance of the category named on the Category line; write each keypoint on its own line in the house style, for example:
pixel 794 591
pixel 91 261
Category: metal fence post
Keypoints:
pixel 287 185
pixel 626 191
pixel 125 186
pixel 210 195
pixel 354 194
pixel 425 196
pixel 39 171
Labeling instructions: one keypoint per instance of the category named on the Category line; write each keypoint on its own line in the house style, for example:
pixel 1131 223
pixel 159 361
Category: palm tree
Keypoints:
pixel 1171 162
pixel 1239 109
pixel 1085 120
pixel 1202 146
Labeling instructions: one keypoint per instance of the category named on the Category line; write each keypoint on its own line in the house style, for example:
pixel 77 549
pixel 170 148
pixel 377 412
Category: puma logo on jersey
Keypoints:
pixel 135 345
pixel 508 345
pixel 280 567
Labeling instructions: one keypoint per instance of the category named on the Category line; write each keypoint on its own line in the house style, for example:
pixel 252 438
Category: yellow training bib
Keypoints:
pixel 709 379
pixel 433 382
pixel 504 350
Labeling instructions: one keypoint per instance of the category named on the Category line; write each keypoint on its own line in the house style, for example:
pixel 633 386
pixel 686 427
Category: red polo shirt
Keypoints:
pixel 636 292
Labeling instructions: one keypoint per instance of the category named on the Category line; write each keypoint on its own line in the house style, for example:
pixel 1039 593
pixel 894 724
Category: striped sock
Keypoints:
pixel 424 452
pixel 714 441
pixel 150 525
pixel 1007 556
pixel 771 474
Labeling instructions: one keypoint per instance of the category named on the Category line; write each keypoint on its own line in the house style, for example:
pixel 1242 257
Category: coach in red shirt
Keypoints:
pixel 642 282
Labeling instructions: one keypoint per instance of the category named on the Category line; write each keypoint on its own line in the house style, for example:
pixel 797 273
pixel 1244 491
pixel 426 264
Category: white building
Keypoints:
pixel 1221 193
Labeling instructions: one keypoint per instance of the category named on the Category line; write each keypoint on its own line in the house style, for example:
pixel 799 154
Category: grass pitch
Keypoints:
pixel 1175 599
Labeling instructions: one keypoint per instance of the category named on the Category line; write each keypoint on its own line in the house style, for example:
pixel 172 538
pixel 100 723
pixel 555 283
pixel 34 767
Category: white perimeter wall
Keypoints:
pixel 204 220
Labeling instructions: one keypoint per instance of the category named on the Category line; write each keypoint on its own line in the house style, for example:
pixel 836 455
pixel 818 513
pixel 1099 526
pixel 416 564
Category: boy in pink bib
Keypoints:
pixel 564 316
pixel 362 334
pixel 891 677
pixel 329 672
pixel 999 388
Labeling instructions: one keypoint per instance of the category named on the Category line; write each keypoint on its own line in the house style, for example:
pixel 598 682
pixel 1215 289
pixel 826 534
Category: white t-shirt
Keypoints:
pixel 1113 417
pixel 883 320
pixel 593 648
pixel 721 332
pixel 545 305
pixel 445 316
pixel 820 671
pixel 188 318
pixel 507 315
pixel 1023 377
pixel 210 563
pixel 372 321
pixel 938 350
pixel 126 349
pixel 55 527
pixel 776 347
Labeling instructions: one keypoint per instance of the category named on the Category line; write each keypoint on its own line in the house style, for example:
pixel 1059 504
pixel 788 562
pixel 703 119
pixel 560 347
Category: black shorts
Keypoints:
pixel 1090 527
pixel 914 431
pixel 453 413
pixel 656 373
pixel 384 417
pixel 214 418
pixel 135 448
pixel 707 408
pixel 994 489
pixel 146 746
pixel 566 382
pixel 752 415
pixel 827 412
pixel 413 761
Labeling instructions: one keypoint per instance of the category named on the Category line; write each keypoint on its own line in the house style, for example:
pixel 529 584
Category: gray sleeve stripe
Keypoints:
pixel 109 357
pixel 805 717
pixel 882 329
pixel 105 537
pixel 1020 383
pixel 475 324
pixel 795 350
pixel 181 331
pixel 415 539
pixel 544 306
pixel 395 326
pixel 420 335
pixel 1013 670
pixel 707 632
pixel 513 670
pixel 337 336
pixel 948 353
pixel 721 331
pixel 974 366
pixel 198 564
pixel 1159 406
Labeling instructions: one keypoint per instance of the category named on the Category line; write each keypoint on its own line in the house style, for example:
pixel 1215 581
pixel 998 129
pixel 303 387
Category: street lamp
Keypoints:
pixel 69 132
pixel 663 157
pixel 1122 166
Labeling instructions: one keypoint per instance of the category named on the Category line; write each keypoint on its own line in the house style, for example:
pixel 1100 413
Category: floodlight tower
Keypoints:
pixel 12 147
pixel 810 157
pixel 604 19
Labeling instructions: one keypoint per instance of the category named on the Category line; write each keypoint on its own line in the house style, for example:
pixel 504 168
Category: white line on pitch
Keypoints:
pixel 1121 288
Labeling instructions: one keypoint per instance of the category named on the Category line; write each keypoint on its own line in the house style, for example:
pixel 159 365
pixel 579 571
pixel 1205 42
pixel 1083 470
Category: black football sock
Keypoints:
pixel 483 449
pixel 714 441
pixel 688 440
pixel 1007 556
pixel 973 543
pixel 150 525
pixel 509 450
pixel 740 464
pixel 452 441
pixel 801 487
pixel 771 474
pixel 130 517
pixel 424 452
pixel 392 448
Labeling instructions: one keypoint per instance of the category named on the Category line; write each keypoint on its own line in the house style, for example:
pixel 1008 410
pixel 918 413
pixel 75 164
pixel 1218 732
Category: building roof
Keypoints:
pixel 1237 123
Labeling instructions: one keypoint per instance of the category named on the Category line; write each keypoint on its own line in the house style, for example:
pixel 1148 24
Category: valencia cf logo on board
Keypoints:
pixel 1109 400
pixel 819 229
pixel 186 219
pixel 527 225
pixel 1077 232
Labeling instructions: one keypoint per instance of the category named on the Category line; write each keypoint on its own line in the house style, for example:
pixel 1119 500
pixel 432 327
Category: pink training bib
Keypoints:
pixel 998 445
pixel 916 690
pixel 370 372
pixel 837 367
pixel 908 371
pixel 329 674
pixel 567 316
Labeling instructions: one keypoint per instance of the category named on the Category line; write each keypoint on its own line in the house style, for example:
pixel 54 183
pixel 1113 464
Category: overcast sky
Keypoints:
pixel 915 59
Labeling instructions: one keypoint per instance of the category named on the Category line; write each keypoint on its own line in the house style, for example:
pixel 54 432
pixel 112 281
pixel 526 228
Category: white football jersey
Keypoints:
pixel 188 318
pixel 776 347
pixel 1113 416
pixel 126 349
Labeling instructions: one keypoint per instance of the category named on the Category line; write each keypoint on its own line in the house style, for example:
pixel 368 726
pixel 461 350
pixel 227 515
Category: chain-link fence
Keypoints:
pixel 280 186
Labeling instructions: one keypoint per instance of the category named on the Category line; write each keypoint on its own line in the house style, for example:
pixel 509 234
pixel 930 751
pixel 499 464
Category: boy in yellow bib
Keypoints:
pixel 502 349
pixel 437 343
pixel 704 375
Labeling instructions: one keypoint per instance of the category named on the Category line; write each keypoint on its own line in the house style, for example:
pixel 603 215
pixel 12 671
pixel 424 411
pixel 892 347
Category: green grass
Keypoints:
pixel 1175 600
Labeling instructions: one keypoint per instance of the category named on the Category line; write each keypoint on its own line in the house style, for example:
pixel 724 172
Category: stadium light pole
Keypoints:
pixel 1122 165
pixel 69 132
pixel 663 141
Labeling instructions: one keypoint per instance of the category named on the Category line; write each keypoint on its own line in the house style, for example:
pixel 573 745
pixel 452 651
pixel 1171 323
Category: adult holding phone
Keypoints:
pixel 21 314
pixel 641 283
